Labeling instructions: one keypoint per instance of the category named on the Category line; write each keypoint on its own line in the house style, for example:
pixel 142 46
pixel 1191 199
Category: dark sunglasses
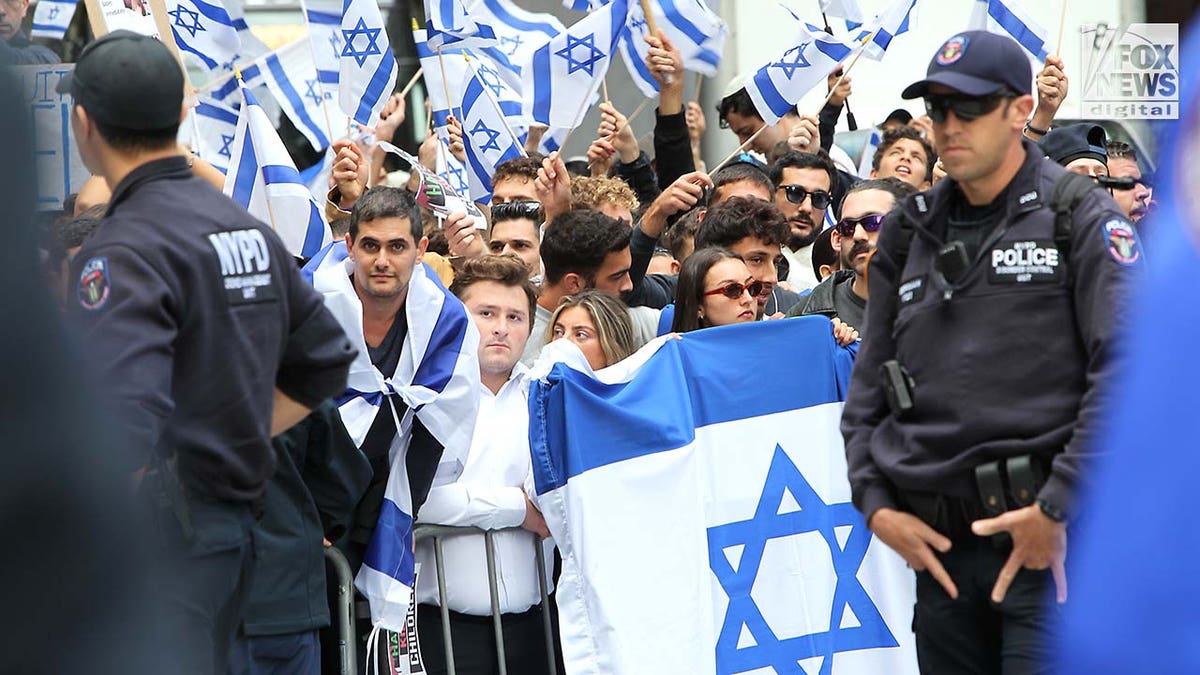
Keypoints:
pixel 796 195
pixel 965 108
pixel 846 226
pixel 734 290
pixel 512 210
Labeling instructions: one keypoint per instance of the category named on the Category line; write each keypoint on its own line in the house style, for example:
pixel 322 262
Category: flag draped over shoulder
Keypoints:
pixel 263 178
pixel 437 378
pixel 705 525
pixel 367 67
pixel 564 74
pixel 777 86
pixel 1007 17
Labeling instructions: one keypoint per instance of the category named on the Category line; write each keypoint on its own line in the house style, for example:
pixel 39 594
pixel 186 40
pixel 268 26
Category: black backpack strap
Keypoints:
pixel 1068 192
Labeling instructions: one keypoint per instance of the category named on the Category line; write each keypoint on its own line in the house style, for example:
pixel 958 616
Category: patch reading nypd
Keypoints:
pixel 94 286
pixel 953 50
pixel 1022 262
pixel 1122 241
pixel 245 266
pixel 911 291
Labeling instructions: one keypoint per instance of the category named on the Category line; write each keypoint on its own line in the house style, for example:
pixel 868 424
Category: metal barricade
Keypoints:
pixel 343 611
pixel 440 532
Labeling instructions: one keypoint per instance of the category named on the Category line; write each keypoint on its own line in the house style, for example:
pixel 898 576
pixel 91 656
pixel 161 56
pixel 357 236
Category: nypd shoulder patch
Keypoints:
pixel 1122 242
pixel 94 287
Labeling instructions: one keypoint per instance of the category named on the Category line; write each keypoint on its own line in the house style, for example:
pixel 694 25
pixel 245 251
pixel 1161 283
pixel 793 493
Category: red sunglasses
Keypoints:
pixel 734 290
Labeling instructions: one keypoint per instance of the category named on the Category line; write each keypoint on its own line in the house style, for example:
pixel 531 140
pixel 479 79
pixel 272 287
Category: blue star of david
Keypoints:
pixel 335 41
pixel 638 24
pixel 789 68
pixel 53 12
pixel 588 62
pixel 814 516
pixel 454 176
pixel 511 43
pixel 371 48
pixel 226 142
pixel 187 19
pixel 228 65
pixel 312 92
pixel 490 79
pixel 492 137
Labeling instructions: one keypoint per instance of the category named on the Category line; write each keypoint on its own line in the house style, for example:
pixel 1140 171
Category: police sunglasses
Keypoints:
pixel 734 290
pixel 522 209
pixel 846 226
pixel 965 108
pixel 797 193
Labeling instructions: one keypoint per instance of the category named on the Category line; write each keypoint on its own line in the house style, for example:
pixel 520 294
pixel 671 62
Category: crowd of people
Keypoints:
pixel 946 265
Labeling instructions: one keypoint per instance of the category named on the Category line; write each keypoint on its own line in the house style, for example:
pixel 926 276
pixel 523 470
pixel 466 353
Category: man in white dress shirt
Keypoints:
pixel 490 493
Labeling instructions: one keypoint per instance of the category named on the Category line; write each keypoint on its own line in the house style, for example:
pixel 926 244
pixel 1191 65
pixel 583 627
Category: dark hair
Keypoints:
pixel 519 210
pixel 897 134
pixel 339 226
pixel 803 160
pixel 738 102
pixel 685 228
pixel 382 201
pixel 578 241
pixel 134 140
pixel 72 232
pixel 689 292
pixel 823 252
pixel 1121 150
pixel 518 167
pixel 732 221
pixel 506 270
pixel 897 188
pixel 737 173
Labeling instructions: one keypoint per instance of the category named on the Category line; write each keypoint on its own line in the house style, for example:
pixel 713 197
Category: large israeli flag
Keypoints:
pixel 449 23
pixel 263 178
pixel 897 18
pixel 51 18
pixel 488 137
pixel 437 376
pixel 205 32
pixel 565 73
pixel 1007 17
pixel 705 522
pixel 292 78
pixel 367 73
pixel 777 86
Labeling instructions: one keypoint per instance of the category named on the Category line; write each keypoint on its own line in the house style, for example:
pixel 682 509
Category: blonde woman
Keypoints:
pixel 597 323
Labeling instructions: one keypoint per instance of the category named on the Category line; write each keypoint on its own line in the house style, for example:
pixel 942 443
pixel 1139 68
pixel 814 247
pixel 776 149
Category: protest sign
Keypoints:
pixel 60 171
pixel 435 193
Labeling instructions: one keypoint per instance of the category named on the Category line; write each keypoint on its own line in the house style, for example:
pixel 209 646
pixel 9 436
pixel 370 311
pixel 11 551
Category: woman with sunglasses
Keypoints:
pixel 597 323
pixel 715 289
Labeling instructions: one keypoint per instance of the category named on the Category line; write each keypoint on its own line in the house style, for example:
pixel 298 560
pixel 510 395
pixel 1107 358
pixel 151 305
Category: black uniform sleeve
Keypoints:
pixel 672 148
pixel 866 404
pixel 654 290
pixel 640 176
pixel 826 121
pixel 335 471
pixel 126 313
pixel 317 356
pixel 1099 283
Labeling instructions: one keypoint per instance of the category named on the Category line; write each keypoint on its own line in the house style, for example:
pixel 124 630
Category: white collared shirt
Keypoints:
pixel 490 494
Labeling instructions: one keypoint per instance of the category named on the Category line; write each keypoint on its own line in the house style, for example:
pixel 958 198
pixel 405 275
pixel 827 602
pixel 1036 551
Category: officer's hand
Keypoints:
pixel 534 521
pixel 805 136
pixel 461 236
pixel 553 186
pixel 1038 543
pixel 909 536
pixel 843 332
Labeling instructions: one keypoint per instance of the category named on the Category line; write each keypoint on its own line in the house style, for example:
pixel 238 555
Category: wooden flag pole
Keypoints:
pixel 412 82
pixel 1062 22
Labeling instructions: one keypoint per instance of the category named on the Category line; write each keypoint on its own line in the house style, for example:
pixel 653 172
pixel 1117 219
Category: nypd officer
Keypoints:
pixel 975 398
pixel 197 323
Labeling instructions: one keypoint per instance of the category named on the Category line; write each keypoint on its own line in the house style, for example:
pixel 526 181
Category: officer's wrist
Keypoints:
pixel 1051 511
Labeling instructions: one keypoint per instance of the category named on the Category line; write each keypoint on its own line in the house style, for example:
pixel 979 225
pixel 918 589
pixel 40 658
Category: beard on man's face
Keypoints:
pixel 798 241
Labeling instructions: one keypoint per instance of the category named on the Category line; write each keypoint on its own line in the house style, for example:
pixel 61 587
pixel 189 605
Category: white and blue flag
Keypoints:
pixel 251 50
pixel 51 18
pixel 324 21
pixel 437 376
pixel 705 526
pixel 897 18
pixel 488 137
pixel 692 27
pixel 368 67
pixel 1007 17
pixel 776 87
pixel 263 178
pixel 292 79
pixel 451 170
pixel 449 24
pixel 204 31
pixel 843 9
pixel 454 65
pixel 518 34
pixel 214 128
pixel 564 74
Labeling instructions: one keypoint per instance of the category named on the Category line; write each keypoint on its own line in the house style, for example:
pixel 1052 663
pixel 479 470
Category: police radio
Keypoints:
pixel 899 387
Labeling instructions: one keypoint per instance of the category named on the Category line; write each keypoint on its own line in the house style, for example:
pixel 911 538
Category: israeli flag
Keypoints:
pixel 263 179
pixel 449 23
pixel 898 18
pixel 205 32
pixel 634 51
pixel 487 137
pixel 701 530
pixel 565 73
pixel 843 9
pixel 451 170
pixel 324 20
pixel 867 160
pixel 292 79
pixel 777 86
pixel 251 50
pixel 518 34
pixel 1006 17
pixel 368 67
pixel 214 128
pixel 437 377
pixel 51 18
pixel 453 63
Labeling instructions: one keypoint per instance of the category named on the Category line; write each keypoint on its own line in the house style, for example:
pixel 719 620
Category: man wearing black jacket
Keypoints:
pixel 976 395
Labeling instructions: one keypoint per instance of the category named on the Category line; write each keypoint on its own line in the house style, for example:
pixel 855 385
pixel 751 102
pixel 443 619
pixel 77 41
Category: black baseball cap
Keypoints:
pixel 976 63
pixel 898 115
pixel 1077 141
pixel 128 81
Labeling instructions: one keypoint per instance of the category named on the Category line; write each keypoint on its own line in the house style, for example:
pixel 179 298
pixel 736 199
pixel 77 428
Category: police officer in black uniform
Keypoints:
pixel 975 397
pixel 200 329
